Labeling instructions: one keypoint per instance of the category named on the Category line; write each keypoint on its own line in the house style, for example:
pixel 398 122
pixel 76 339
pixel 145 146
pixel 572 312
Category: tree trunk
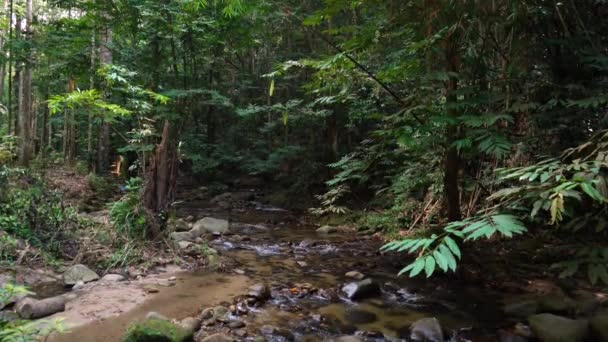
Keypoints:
pixel 10 68
pixel 30 308
pixel 103 143
pixel 3 56
pixel 91 86
pixel 43 132
pixel 452 160
pixel 26 97
pixel 160 181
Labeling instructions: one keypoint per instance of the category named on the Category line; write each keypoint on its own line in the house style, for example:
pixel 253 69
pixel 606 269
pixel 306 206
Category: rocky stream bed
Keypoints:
pixel 271 275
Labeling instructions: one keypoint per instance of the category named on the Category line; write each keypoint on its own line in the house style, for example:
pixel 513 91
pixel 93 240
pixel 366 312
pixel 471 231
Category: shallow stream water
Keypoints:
pixel 276 247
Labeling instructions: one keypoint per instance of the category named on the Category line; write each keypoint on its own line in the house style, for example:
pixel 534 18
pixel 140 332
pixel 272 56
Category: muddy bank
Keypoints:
pixel 106 316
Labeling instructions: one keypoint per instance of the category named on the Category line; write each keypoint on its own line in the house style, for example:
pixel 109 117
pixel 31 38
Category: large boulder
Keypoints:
pixel 553 328
pixel 599 326
pixel 361 289
pixel 209 225
pixel 427 329
pixel 77 273
pixel 156 330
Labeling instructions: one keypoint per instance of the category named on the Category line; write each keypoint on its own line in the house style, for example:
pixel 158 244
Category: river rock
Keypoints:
pixel 111 278
pixel 553 328
pixel 180 236
pixel 178 225
pixel 219 313
pixel 209 225
pixel 236 324
pixel 307 243
pixel 599 326
pixel 78 273
pixel 217 338
pixel 156 315
pixel 521 308
pixel 182 245
pixel 79 285
pixel 327 230
pixel 190 324
pixel 556 302
pixel 271 330
pixel 426 329
pixel 362 289
pixel 259 291
pixel 156 330
pixel 348 339
pixel 355 275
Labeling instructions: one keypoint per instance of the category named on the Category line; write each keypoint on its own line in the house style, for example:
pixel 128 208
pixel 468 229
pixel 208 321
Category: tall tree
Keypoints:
pixel 26 131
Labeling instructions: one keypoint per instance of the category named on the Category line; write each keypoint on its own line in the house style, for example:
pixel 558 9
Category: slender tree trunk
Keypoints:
pixel 3 56
pixel 26 98
pixel 67 125
pixel 10 67
pixel 452 160
pixel 103 143
pixel 44 130
pixel 91 86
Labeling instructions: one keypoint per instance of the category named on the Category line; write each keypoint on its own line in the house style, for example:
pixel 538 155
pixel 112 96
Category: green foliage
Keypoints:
pixel 442 251
pixel 32 212
pixel 9 291
pixel 127 214
pixel 155 330
pixel 593 260
pixel 8 249
pixel 24 331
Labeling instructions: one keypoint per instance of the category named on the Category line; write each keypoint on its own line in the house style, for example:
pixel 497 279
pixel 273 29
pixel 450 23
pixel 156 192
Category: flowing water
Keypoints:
pixel 306 271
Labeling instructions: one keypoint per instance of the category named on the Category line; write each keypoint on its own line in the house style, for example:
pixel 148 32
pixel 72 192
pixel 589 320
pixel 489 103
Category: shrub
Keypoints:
pixel 127 214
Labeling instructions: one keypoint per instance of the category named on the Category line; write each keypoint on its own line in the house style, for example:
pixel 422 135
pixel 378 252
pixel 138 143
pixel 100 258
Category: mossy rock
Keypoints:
pixel 156 330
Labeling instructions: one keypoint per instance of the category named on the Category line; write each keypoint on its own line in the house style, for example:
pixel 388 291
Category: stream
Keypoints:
pixel 305 271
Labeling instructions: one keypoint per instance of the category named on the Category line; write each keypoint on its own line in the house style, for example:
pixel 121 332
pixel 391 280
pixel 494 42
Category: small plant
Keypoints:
pixel 127 214
pixel 329 201
pixel 8 249
pixel 9 291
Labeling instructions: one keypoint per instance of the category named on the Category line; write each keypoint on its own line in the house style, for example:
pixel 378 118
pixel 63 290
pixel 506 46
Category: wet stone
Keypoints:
pixel 259 291
pixel 236 324
pixel 362 289
pixel 553 328
pixel 217 338
pixel 426 329
pixel 355 275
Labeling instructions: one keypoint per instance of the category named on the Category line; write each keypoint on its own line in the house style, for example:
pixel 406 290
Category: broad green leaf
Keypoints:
pixel 453 246
pixel 441 260
pixel 418 267
pixel 429 265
